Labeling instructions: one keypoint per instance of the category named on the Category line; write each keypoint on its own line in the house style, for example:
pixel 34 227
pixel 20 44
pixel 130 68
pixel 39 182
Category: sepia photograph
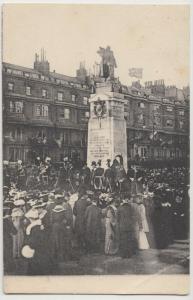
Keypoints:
pixel 96 143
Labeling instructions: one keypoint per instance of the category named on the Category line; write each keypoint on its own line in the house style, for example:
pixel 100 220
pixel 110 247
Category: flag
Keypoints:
pixel 136 72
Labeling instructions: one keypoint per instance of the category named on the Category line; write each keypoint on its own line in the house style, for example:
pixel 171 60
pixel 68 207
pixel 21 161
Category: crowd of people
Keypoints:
pixel 55 214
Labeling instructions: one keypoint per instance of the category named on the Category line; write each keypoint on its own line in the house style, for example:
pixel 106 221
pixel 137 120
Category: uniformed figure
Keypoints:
pixel 108 177
pixel 85 175
pixel 98 177
pixel 119 173
pixel 93 169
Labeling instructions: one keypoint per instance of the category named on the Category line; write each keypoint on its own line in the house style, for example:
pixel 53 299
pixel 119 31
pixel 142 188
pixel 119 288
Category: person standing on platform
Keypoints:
pixel 108 177
pixel 119 173
pixel 98 177
pixel 85 175
pixel 93 170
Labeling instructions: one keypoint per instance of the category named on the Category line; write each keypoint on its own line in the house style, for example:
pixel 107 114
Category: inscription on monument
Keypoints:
pixel 99 145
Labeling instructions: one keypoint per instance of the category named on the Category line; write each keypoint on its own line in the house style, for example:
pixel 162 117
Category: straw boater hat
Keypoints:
pixel 32 214
pixel 19 202
pixel 40 204
pixel 58 208
pixel 32 202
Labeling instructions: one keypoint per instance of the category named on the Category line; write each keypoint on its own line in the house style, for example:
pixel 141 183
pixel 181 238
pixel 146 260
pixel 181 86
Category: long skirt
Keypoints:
pixel 143 242
pixel 18 240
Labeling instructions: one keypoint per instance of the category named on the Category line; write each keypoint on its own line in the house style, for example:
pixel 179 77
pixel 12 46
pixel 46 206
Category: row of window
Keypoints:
pixel 157 107
pixel 59 97
pixel 41 110
pixel 46 78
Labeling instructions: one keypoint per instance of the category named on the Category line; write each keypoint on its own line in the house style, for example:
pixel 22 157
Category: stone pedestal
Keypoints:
pixel 107 126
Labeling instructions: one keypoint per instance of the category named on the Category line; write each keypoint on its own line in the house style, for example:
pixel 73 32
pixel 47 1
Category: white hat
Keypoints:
pixel 32 202
pixel 19 162
pixel 19 202
pixel 32 214
pixel 58 208
pixel 27 252
pixel 5 162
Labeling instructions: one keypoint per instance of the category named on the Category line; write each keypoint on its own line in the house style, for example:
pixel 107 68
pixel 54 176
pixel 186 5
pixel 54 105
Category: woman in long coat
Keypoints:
pixel 111 236
pixel 18 239
pixel 127 244
pixel 40 263
pixel 58 234
pixel 93 227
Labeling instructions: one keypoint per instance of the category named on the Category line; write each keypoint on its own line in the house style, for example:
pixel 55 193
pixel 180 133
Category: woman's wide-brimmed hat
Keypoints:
pixel 19 202
pixel 40 204
pixel 58 208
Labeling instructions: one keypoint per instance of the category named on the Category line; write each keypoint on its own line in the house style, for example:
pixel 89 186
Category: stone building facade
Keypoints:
pixel 46 113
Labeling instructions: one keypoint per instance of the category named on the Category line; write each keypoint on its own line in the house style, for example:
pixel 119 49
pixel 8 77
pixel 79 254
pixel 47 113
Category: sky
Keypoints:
pixel 152 37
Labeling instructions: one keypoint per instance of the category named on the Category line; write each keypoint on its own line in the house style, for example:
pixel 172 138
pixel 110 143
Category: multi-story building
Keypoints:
pixel 157 127
pixel 46 113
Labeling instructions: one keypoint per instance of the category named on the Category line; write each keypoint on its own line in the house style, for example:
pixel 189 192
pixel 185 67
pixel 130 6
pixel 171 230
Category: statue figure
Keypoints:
pixel 108 62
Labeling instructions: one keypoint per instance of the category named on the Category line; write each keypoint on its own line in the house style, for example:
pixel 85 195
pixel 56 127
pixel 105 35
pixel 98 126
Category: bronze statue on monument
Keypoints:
pixel 108 62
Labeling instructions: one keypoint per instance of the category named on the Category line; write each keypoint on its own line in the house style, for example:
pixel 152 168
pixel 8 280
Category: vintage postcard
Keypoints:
pixel 95 116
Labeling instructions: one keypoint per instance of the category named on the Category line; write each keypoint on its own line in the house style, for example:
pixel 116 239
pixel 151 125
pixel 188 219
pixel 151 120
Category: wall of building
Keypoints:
pixel 53 118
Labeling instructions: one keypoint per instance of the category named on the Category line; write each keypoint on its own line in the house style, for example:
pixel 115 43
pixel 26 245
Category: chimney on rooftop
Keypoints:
pixel 43 65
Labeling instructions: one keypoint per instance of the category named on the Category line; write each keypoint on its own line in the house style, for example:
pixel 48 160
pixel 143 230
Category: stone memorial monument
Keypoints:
pixel 107 126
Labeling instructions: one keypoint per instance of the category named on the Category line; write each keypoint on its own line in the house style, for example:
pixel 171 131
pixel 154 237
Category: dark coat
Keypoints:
pixel 8 231
pixel 93 227
pixel 79 212
pixel 125 218
pixel 58 237
pixel 41 262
